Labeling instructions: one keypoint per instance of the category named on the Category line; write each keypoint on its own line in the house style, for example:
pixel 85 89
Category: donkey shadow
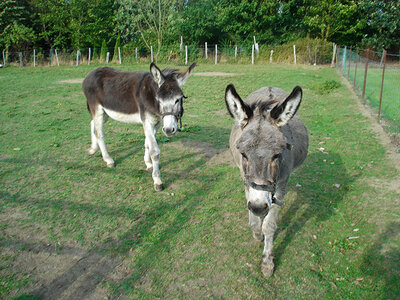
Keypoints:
pixel 381 261
pixel 311 202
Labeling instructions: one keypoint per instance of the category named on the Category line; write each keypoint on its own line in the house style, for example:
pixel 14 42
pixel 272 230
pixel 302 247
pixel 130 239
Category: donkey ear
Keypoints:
pixel 238 110
pixel 283 112
pixel 157 74
pixel 182 77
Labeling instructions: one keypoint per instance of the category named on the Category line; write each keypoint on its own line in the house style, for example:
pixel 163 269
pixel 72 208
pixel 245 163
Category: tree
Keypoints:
pixel 148 19
pixel 382 23
pixel 336 21
pixel 15 32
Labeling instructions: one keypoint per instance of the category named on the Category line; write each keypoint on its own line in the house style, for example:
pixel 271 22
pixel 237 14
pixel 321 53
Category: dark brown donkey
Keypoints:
pixel 268 142
pixel 135 97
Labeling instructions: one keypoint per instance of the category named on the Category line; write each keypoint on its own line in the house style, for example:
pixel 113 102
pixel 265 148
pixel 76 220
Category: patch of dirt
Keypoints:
pixel 76 80
pixel 55 271
pixel 224 157
pixel 217 74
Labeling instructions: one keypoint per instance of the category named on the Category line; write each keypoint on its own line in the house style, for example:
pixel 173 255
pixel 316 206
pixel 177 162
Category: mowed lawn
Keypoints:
pixel 71 228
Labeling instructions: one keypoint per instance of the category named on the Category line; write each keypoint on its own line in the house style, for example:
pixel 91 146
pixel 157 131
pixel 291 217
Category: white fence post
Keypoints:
pixel 294 53
pixel 20 60
pixel 90 52
pixel 186 55
pixel 252 54
pixel 108 57
pixel 205 50
pixel 58 63
pixel 151 50
pixel 34 57
pixel 119 55
pixel 4 59
pixel 270 56
pixel 235 52
pixel 181 44
pixel 136 55
pixel 333 56
pixel 216 53
pixel 77 57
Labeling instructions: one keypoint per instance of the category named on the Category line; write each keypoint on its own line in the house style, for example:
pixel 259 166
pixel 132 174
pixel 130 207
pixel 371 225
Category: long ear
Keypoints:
pixel 283 112
pixel 157 74
pixel 185 75
pixel 238 110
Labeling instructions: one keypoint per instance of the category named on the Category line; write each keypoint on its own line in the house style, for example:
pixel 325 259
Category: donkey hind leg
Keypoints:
pixel 95 146
pixel 268 228
pixel 99 119
pixel 255 224
pixel 152 151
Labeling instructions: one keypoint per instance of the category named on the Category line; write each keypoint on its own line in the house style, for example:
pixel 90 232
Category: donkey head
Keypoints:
pixel 170 96
pixel 261 144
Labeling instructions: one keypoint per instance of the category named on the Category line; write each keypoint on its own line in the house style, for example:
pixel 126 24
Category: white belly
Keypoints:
pixel 121 117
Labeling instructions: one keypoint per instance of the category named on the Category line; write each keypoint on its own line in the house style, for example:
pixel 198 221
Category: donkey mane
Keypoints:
pixel 170 73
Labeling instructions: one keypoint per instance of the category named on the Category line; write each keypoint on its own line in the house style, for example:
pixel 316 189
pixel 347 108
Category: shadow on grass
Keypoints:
pixel 148 243
pixel 318 197
pixel 381 261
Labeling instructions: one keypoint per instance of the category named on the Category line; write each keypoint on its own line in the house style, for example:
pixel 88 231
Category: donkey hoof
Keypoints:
pixel 110 165
pixel 158 187
pixel 91 151
pixel 267 269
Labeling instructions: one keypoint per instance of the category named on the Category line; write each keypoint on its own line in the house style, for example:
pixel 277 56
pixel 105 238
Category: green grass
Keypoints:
pixel 390 107
pixel 191 240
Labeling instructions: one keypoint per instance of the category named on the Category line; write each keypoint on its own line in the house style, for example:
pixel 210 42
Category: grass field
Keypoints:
pixel 71 228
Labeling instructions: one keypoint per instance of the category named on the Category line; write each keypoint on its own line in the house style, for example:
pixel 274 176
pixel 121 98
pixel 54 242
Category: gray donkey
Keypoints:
pixel 268 141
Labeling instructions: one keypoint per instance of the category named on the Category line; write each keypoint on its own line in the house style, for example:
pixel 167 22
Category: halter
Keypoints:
pixel 178 115
pixel 265 188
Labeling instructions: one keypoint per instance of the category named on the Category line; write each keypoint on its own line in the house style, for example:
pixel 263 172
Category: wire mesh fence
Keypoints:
pixel 376 79
pixel 313 53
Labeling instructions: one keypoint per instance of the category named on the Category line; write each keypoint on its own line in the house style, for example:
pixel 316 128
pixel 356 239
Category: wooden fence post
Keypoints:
pixel 294 54
pixel 216 53
pixel 151 50
pixel 4 59
pixel 252 54
pixel 383 78
pixel 34 57
pixel 20 59
pixel 333 56
pixel 77 57
pixel 186 55
pixel 181 45
pixel 235 52
pixel 90 53
pixel 108 57
pixel 205 50
pixel 119 55
pixel 348 71
pixel 58 63
pixel 136 54
pixel 270 56
pixel 50 58
pixel 365 77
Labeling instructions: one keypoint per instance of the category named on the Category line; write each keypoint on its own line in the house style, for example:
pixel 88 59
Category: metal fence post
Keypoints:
pixel 383 78
pixel 365 77
pixel 355 72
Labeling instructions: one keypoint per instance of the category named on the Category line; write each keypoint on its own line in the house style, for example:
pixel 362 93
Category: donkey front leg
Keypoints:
pixel 255 224
pixel 268 229
pixel 99 119
pixel 153 151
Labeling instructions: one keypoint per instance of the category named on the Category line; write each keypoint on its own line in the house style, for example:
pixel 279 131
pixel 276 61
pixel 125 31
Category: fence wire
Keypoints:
pixel 313 54
pixel 375 77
